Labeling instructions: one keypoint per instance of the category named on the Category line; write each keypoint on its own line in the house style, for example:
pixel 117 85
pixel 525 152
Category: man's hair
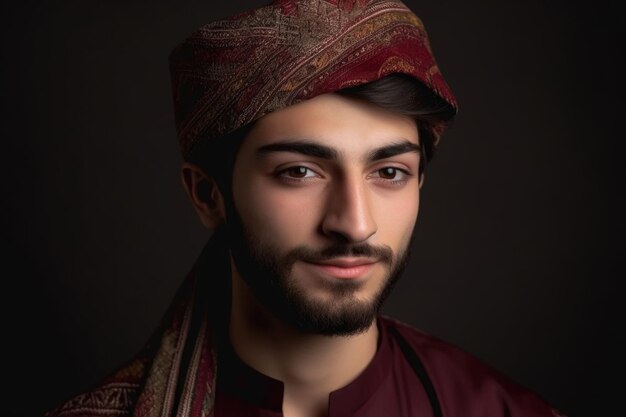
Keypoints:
pixel 398 93
pixel 403 94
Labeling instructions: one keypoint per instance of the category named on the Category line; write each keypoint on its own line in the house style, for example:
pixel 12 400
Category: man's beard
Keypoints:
pixel 269 275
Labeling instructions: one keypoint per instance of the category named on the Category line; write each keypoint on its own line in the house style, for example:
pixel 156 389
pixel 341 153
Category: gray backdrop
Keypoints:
pixel 519 240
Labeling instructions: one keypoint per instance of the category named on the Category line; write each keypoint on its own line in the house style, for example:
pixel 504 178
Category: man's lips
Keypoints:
pixel 345 268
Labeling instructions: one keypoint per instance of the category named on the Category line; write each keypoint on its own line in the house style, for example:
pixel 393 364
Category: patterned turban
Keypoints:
pixel 233 71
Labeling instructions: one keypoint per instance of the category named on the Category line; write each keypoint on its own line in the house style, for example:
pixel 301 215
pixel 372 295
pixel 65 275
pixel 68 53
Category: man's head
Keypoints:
pixel 315 179
pixel 320 202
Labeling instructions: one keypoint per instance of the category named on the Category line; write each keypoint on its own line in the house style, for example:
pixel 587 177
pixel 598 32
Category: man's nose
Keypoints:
pixel 348 216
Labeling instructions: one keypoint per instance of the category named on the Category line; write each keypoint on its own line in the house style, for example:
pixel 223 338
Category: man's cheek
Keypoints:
pixel 283 212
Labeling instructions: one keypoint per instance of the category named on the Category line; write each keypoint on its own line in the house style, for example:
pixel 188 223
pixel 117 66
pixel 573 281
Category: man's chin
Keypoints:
pixel 320 304
pixel 342 315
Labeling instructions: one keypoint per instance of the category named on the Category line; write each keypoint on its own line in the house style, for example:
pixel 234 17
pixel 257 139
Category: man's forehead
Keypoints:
pixel 337 124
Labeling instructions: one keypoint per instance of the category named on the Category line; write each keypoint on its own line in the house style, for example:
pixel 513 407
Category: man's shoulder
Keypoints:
pixel 464 384
pixel 114 396
pixel 439 355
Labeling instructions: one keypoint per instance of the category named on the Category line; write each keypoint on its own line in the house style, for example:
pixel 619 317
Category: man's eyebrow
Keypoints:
pixel 308 148
pixel 394 149
pixel 303 147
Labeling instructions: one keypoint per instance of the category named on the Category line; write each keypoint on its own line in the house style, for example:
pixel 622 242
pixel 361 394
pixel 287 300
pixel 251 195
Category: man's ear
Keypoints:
pixel 204 194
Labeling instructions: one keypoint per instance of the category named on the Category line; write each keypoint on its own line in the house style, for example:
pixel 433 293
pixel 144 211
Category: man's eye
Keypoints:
pixel 390 173
pixel 298 172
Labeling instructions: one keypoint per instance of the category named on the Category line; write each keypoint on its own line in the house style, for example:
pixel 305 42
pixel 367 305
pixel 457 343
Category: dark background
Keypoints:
pixel 520 237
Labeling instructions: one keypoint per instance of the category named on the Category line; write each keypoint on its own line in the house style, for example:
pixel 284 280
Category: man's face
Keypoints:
pixel 326 195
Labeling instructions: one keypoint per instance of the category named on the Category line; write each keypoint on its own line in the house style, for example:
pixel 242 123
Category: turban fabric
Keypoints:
pixel 233 71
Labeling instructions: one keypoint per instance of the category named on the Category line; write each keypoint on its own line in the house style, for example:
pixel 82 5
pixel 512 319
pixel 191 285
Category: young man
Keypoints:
pixel 305 128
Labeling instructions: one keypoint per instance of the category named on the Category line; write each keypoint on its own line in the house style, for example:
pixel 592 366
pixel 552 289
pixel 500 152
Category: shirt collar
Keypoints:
pixel 260 390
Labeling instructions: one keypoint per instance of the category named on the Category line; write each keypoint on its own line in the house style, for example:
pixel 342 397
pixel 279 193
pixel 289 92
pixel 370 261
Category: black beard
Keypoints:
pixel 268 274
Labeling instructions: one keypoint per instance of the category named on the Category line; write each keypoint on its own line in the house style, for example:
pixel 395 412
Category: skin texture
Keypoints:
pixel 326 192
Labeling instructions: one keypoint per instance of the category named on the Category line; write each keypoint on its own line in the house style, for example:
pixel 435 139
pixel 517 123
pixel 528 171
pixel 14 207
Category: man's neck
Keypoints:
pixel 310 366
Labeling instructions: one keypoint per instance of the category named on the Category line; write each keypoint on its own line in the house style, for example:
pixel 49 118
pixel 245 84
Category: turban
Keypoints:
pixel 230 72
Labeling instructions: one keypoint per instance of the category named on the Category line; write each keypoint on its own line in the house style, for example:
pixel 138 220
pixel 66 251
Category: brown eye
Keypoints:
pixel 388 173
pixel 297 172
pixel 391 176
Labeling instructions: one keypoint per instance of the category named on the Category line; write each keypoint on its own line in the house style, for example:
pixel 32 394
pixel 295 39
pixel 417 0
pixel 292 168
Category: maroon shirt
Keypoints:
pixel 459 384
pixel 387 387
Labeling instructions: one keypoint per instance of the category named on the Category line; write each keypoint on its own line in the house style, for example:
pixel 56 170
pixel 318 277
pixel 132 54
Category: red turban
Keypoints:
pixel 231 72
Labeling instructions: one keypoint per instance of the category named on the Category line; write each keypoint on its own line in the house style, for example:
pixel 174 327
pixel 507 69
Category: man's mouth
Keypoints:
pixel 345 267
